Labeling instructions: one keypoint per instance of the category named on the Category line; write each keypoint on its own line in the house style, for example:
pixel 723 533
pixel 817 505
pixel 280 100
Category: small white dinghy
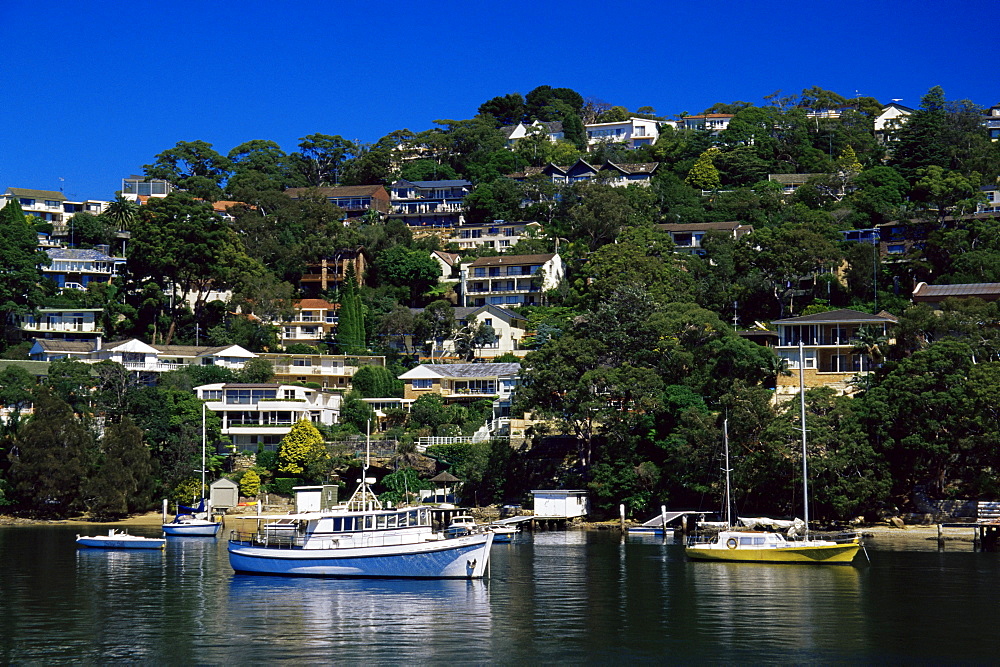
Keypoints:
pixel 119 540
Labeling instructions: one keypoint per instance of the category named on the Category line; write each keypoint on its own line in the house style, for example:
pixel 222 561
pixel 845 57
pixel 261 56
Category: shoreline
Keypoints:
pixel 909 534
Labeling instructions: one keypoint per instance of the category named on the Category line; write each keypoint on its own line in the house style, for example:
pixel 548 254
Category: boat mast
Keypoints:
pixel 202 489
pixel 725 448
pixel 802 423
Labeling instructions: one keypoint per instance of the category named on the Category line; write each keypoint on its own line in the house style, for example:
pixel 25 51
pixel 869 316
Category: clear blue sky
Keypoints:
pixel 95 89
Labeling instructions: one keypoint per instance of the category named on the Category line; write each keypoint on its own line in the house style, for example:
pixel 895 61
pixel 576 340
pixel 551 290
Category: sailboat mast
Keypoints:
pixel 802 423
pixel 202 489
pixel 725 447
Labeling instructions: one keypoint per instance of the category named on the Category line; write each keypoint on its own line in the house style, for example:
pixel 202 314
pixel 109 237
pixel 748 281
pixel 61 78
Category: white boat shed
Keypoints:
pixel 562 503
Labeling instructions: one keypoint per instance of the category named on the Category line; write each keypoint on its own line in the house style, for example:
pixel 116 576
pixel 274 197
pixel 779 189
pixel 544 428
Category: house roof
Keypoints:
pixel 450 258
pixel 198 351
pixel 67 346
pixel 445 477
pixel 836 316
pixel 318 304
pixel 436 184
pixel 512 259
pixel 702 116
pixel 705 227
pixel 37 194
pixel 424 371
pixel 80 253
pixel 131 345
pixel 337 191
pixel 986 291
pixel 36 368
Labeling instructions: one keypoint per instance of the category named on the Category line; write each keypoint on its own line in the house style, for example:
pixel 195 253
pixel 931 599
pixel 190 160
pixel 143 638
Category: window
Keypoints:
pixel 422 384
pixel 479 272
pixel 24 201
pixel 494 271
pixel 301 362
pixel 212 395
pixel 496 300
pixel 488 321
pixel 513 299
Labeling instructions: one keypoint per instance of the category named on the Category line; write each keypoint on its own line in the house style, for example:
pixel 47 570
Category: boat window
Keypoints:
pixel 368 522
pixel 392 521
pixel 759 540
pixel 338 524
pixel 380 521
pixel 746 541
pixel 349 523
pixel 413 518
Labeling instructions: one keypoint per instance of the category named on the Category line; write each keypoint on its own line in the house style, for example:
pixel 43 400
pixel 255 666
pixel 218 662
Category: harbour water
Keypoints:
pixel 557 597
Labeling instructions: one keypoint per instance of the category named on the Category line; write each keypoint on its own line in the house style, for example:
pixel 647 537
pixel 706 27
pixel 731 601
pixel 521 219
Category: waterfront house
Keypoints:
pixel 830 350
pixel 461 382
pixel 258 415
pixel 561 503
pixel 329 371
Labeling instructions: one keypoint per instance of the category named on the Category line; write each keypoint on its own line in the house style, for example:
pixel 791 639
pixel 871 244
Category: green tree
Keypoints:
pixel 499 200
pixel 356 413
pixel 250 484
pixel 20 257
pixel 920 141
pixel 703 174
pixel 192 166
pixel 402 486
pixel 255 371
pixel 403 267
pixel 122 212
pixel 321 159
pixel 429 410
pixel 471 337
pixel 573 131
pixel 121 482
pixel 88 230
pixel 350 316
pixel 302 451
pixel 52 458
pixel 376 382
pixel 506 109
pixel 946 191
pixel 258 165
pixel 435 324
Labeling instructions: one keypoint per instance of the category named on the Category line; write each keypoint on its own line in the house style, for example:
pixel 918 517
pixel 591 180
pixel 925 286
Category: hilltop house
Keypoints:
pixel 510 280
pixel 611 173
pixel 355 200
pixel 52 206
pixel 429 203
pixel 687 237
pixel 75 268
pixel 830 352
pixel 633 132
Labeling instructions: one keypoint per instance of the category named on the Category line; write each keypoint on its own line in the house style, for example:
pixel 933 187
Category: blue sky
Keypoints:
pixel 96 89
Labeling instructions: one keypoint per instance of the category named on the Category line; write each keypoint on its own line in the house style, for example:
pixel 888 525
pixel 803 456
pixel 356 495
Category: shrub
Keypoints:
pixel 250 484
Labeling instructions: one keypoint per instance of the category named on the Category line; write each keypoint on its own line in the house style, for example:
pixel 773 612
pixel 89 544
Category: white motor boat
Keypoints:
pixel 192 522
pixel 119 540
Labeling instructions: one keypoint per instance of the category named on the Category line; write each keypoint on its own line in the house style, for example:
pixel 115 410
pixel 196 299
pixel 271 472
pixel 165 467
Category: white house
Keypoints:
pixel 52 206
pixel 553 129
pixel 77 324
pixel 633 132
pixel 893 117
pixel 258 416
pixel 561 503
pixel 141 357
pixel 709 122
pixel 510 280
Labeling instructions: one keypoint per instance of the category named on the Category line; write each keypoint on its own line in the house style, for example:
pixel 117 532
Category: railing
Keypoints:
pixel 820 340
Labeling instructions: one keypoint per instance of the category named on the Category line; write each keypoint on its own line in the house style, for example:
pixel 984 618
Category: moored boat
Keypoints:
pixel 767 547
pixel 119 540
pixel 502 533
pixel 361 539
pixel 399 543
pixel 192 522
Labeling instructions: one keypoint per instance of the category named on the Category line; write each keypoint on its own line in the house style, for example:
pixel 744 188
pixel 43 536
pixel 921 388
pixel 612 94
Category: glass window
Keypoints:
pixel 422 384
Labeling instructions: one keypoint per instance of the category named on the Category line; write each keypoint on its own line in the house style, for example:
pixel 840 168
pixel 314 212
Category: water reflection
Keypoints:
pixel 382 620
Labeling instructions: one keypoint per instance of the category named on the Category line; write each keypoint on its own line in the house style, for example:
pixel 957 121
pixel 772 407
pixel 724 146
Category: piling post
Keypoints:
pixel 621 511
pixel 940 536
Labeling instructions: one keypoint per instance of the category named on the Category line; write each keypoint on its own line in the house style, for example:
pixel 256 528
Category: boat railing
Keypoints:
pixel 266 539
pixel 840 538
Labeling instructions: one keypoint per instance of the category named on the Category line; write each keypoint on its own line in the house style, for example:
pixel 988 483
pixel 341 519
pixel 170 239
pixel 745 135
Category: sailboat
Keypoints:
pixel 193 521
pixel 769 547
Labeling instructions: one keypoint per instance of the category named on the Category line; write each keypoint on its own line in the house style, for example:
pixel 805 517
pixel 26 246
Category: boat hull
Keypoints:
pixel 191 529
pixel 832 554
pixel 455 558
pixel 112 543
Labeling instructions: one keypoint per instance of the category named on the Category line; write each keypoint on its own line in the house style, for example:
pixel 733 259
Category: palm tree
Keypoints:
pixel 869 340
pixel 122 212
pixel 775 366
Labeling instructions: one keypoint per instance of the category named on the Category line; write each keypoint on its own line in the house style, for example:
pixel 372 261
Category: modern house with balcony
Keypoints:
pixel 140 188
pixel 633 132
pixel 75 268
pixel 53 207
pixel 258 416
pixel 461 382
pixel 508 327
pixel 687 237
pixel 312 322
pixel 830 354
pixel 713 123
pixel 499 235
pixel 429 203
pixel 355 200
pixel 510 280
pixel 330 371
pixel 71 324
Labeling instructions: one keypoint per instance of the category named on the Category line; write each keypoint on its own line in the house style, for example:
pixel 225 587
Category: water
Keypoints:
pixel 559 597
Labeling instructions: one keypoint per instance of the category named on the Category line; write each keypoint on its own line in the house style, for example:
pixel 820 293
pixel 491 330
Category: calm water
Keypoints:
pixel 573 597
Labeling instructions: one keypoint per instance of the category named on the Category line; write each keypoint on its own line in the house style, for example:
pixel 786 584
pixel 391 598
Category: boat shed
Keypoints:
pixel 315 498
pixel 224 494
pixel 561 503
